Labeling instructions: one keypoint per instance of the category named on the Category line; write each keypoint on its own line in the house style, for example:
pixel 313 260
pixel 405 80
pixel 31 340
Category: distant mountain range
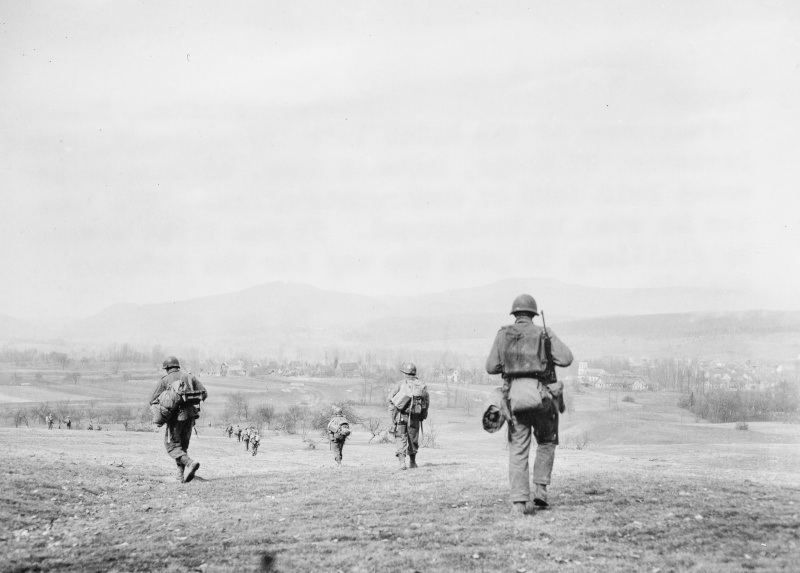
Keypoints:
pixel 289 316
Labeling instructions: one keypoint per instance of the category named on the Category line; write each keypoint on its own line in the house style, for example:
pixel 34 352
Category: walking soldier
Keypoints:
pixel 408 405
pixel 179 426
pixel 525 354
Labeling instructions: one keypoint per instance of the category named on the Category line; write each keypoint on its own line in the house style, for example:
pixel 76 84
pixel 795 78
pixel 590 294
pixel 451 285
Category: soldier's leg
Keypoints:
pixel 413 444
pixel 401 444
pixel 338 446
pixel 173 438
pixel 519 444
pixel 546 433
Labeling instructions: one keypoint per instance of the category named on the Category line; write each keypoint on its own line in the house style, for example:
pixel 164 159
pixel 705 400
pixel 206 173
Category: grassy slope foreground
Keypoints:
pixel 666 496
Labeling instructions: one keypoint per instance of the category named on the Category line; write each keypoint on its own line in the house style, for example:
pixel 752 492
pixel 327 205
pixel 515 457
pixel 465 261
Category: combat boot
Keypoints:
pixel 519 508
pixel 179 476
pixel 540 495
pixel 193 467
pixel 413 462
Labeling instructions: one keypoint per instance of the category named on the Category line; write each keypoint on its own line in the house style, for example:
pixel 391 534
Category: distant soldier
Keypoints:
pixel 408 405
pixel 89 427
pixel 255 440
pixel 179 427
pixel 229 430
pixel 520 353
pixel 49 419
pixel 238 433
pixel 246 438
pixel 338 431
pixel 69 423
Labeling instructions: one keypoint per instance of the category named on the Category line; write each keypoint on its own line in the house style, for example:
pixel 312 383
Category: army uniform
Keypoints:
pixel 179 428
pixel 405 422
pixel 50 422
pixel 246 438
pixel 335 437
pixel 543 423
pixel 238 434
pixel 255 441
pixel 69 424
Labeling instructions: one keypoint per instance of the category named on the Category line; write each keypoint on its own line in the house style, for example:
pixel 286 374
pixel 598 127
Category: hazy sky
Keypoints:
pixel 156 151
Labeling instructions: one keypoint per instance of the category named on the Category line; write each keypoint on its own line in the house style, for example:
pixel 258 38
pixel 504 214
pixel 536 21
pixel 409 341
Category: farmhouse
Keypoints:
pixel 348 369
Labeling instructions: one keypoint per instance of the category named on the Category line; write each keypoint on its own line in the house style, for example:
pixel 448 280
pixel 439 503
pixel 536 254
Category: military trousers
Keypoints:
pixel 543 426
pixel 338 449
pixel 406 439
pixel 176 440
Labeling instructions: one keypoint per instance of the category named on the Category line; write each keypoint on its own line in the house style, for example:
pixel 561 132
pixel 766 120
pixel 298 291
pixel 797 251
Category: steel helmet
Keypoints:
pixel 337 410
pixel 170 362
pixel 409 368
pixel 524 303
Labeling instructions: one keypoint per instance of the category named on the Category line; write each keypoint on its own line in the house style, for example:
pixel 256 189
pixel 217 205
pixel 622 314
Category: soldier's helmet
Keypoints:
pixel 524 303
pixel 409 368
pixel 170 362
pixel 337 410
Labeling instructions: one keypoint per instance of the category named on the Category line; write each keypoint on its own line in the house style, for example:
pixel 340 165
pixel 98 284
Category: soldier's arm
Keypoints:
pixel 562 355
pixel 494 363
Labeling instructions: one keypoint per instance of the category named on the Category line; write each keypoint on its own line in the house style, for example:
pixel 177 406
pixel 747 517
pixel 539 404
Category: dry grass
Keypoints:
pixel 650 493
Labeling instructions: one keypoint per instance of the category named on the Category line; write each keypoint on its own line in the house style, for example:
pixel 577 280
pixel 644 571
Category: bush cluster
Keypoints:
pixel 723 406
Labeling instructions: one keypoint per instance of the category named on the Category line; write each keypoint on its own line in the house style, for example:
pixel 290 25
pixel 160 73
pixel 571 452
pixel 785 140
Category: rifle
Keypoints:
pixel 549 376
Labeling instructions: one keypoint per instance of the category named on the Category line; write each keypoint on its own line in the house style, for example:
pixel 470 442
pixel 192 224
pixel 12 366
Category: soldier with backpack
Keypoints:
pixel 229 430
pixel 255 441
pixel 238 433
pixel 338 431
pixel 246 438
pixel 524 353
pixel 180 423
pixel 408 405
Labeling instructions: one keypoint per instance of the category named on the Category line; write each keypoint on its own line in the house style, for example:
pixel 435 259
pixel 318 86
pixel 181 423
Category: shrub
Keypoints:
pixel 429 435
pixel 629 399
pixel 742 426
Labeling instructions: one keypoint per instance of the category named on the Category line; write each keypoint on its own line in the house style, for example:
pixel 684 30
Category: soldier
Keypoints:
pixel 519 354
pixel 69 423
pixel 246 438
pixel 238 433
pixel 255 440
pixel 408 405
pixel 49 419
pixel 338 430
pixel 179 427
pixel 229 430
pixel 89 427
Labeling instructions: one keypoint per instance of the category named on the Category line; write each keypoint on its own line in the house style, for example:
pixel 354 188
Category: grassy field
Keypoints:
pixel 653 490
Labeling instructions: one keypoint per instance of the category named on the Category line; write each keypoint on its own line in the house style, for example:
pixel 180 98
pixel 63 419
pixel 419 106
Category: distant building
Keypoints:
pixel 348 369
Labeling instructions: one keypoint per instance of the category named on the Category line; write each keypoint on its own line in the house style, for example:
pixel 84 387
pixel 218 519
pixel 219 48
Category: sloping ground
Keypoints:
pixel 107 501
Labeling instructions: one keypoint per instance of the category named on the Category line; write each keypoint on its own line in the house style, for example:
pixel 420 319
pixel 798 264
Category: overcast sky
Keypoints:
pixel 157 151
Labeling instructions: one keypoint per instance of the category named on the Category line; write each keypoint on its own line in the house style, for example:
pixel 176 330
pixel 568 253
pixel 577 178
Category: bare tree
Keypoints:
pixel 73 377
pixel 375 427
pixel 263 414
pixel 60 358
pixel 301 416
pixel 236 406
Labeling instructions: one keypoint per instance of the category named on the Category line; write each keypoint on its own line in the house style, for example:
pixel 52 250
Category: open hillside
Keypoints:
pixel 637 487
